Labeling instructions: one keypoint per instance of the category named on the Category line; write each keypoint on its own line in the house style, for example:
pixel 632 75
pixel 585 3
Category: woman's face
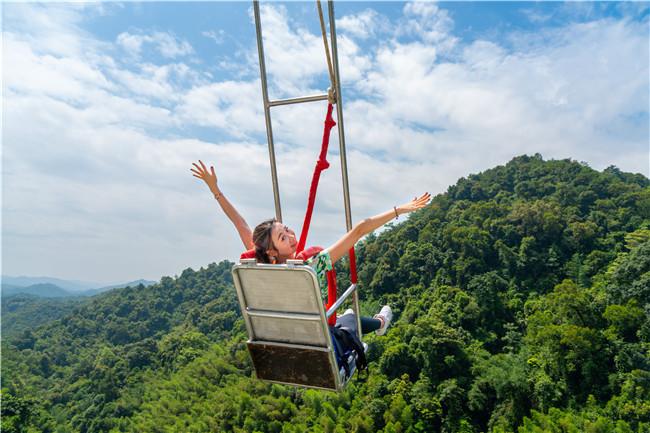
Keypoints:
pixel 284 240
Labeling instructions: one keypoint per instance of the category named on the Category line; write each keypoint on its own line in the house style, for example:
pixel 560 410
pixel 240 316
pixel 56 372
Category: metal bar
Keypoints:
pixel 243 303
pixel 283 315
pixel 289 345
pixel 339 118
pixel 267 111
pixel 298 100
pixel 303 385
pixel 339 301
pixel 344 163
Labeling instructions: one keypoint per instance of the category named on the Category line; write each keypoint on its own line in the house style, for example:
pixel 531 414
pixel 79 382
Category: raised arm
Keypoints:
pixel 210 178
pixel 343 245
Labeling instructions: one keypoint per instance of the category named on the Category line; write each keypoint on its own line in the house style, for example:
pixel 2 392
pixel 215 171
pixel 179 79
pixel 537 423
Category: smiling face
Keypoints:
pixel 284 242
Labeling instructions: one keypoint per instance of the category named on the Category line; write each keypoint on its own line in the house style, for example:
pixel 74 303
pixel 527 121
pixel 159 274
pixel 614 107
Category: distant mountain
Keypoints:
pixel 56 288
pixel 45 290
pixel 118 286
pixel 26 308
pixel 69 285
pixel 6 287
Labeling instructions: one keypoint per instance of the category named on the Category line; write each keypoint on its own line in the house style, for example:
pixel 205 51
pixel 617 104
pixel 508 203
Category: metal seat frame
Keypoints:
pixel 289 339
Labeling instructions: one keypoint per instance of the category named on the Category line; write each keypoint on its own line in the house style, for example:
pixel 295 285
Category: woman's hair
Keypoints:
pixel 263 241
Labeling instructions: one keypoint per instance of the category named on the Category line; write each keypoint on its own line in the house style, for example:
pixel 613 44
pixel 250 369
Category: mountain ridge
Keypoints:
pixel 51 290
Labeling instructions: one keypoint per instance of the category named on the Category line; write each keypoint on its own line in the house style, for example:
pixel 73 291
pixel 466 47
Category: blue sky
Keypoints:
pixel 105 106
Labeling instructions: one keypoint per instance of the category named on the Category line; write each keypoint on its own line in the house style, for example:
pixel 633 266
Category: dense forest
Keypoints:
pixel 521 300
pixel 23 312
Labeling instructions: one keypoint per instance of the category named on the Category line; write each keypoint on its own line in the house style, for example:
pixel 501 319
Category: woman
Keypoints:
pixel 274 242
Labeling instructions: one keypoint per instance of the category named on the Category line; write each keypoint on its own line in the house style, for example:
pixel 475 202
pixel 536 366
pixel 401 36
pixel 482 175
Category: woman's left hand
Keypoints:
pixel 415 204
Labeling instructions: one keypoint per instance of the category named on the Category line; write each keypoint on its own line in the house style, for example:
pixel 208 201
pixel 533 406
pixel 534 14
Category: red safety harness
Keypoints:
pixel 301 252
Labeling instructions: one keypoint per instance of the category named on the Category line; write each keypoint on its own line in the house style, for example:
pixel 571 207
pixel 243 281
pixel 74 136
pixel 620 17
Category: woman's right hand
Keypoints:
pixel 209 177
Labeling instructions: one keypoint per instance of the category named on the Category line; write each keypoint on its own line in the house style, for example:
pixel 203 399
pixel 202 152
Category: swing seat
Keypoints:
pixel 289 339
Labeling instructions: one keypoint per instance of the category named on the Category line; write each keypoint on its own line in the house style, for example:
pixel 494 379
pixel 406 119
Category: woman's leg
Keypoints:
pixel 378 323
pixel 369 324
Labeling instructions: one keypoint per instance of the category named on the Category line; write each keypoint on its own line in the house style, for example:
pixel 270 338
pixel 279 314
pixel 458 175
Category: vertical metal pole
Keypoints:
pixel 339 118
pixel 267 110
pixel 344 162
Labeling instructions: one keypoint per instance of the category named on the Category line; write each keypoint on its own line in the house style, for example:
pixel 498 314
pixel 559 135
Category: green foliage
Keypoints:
pixel 630 275
pixel 632 403
pixel 565 342
pixel 502 388
pixel 181 346
pixel 17 413
pixel 521 300
pixel 559 421
pixel 22 313
pixel 625 320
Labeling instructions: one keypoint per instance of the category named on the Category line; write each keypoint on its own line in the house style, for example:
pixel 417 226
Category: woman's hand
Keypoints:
pixel 210 178
pixel 415 204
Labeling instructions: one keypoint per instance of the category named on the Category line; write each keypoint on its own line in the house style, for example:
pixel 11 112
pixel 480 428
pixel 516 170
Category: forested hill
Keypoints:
pixel 22 312
pixel 522 301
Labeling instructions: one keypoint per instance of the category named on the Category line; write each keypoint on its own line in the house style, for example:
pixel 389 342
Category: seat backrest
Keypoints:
pixel 289 339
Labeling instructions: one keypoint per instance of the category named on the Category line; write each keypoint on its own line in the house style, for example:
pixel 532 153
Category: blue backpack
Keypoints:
pixel 346 341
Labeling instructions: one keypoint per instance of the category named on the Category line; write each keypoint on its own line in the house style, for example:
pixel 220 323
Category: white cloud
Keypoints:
pixel 353 63
pixel 59 77
pixel 295 57
pixel 536 16
pixel 427 21
pixel 164 83
pixel 363 25
pixel 47 20
pixel 232 106
pixel 553 94
pixel 218 37
pixel 132 44
pixel 168 45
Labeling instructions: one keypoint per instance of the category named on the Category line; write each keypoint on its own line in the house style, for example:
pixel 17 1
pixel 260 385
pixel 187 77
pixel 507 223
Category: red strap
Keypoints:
pixel 321 165
pixel 331 285
pixel 353 266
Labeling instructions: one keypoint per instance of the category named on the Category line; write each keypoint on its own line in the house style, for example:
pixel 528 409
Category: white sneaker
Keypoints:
pixel 348 311
pixel 387 314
